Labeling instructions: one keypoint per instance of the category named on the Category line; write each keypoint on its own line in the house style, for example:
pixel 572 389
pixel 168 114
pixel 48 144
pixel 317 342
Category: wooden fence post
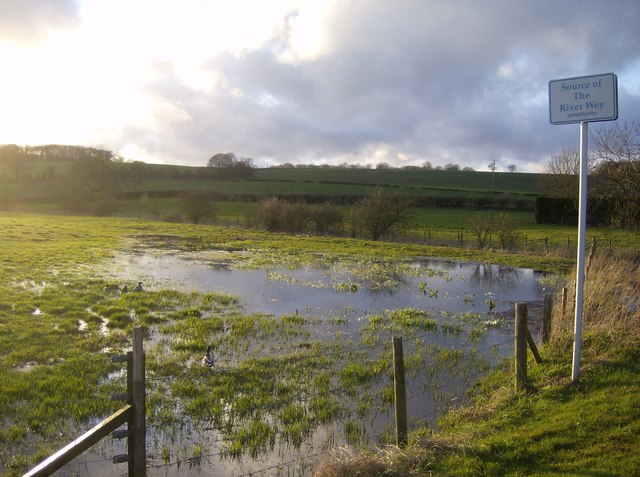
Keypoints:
pixel 564 301
pixel 547 307
pixel 133 414
pixel 138 421
pixel 400 393
pixel 130 421
pixel 520 346
pixel 533 347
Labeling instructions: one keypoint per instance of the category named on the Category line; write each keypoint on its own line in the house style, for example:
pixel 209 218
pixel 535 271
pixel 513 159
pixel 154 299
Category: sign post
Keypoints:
pixel 582 100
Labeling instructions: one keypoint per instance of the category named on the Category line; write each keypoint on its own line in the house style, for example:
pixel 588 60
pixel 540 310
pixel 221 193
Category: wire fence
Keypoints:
pixel 339 390
pixel 457 385
pixel 556 244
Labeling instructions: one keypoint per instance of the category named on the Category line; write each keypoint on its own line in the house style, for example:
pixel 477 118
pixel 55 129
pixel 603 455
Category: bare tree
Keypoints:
pixel 379 211
pixel 482 227
pixel 562 172
pixel 197 205
pixel 617 150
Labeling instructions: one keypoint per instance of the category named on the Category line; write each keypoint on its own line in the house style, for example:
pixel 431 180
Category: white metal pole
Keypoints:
pixel 582 240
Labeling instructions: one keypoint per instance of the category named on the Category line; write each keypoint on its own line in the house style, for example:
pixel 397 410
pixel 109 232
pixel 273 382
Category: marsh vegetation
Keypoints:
pixel 288 383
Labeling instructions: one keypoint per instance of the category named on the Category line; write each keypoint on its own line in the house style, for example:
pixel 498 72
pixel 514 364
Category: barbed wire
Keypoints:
pixel 188 460
pixel 283 464
pixel 283 360
pixel 349 390
pixel 64 361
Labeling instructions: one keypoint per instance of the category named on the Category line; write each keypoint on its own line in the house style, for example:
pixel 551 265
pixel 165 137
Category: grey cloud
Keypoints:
pixel 468 78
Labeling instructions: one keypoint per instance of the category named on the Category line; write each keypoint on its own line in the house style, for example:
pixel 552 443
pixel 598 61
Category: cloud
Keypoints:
pixel 402 82
pixel 32 20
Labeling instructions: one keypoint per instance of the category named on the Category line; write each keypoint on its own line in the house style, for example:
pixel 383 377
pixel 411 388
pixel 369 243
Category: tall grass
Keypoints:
pixel 611 309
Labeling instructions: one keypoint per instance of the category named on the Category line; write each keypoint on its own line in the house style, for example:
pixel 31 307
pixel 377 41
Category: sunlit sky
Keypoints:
pixel 325 82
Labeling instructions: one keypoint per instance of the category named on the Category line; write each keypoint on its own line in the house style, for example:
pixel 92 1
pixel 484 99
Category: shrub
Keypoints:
pixel 277 215
pixel 379 211
pixel 482 226
pixel 505 228
pixel 196 206
pixel 325 217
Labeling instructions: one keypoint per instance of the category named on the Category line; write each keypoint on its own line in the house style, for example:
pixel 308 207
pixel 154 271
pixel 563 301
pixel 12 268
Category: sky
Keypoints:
pixel 325 82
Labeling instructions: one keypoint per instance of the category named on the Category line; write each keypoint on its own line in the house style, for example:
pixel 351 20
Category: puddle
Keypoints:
pixel 328 290
pixel 343 297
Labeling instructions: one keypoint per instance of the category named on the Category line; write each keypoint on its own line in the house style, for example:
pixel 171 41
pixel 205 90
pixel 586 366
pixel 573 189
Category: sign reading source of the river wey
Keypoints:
pixel 583 99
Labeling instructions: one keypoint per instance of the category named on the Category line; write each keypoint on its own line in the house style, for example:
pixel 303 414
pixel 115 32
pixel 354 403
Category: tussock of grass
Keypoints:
pixel 388 461
pixel 611 311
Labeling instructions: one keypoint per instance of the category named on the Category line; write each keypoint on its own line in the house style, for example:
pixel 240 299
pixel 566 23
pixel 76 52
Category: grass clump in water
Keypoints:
pixel 556 427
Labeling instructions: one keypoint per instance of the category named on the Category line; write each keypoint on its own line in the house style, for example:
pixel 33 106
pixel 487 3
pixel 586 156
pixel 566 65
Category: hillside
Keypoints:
pixel 35 180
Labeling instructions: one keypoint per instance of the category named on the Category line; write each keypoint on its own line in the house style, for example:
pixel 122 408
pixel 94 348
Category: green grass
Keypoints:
pixel 589 428
pixel 52 280
pixel 288 181
pixel 61 319
pixel 556 428
pixel 515 183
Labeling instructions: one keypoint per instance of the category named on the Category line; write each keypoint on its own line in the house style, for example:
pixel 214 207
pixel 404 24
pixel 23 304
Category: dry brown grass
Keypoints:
pixel 611 308
pixel 388 461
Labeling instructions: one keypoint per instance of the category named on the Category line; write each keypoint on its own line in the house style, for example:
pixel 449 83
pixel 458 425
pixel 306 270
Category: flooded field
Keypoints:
pixel 329 289
pixel 303 356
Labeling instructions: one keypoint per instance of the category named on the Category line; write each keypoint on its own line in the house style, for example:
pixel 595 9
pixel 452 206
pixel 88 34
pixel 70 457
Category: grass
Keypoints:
pixel 556 427
pixel 61 318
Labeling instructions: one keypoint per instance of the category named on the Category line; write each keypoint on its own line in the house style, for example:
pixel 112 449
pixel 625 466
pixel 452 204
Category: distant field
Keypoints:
pixel 469 181
pixel 44 179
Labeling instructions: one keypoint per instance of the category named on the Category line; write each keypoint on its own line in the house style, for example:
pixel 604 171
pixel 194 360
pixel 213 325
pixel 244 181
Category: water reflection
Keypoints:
pixel 326 289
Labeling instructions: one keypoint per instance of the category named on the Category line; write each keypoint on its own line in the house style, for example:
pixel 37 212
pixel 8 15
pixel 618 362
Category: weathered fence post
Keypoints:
pixel 564 301
pixel 133 413
pixel 400 393
pixel 130 424
pixel 533 347
pixel 547 307
pixel 546 244
pixel 137 424
pixel 520 346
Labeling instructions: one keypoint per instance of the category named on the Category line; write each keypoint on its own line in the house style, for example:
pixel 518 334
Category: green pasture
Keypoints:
pixel 431 226
pixel 471 181
pixel 37 179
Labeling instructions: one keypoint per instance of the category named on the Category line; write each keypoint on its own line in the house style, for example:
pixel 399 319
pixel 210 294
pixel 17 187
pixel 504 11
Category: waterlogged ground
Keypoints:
pixel 301 340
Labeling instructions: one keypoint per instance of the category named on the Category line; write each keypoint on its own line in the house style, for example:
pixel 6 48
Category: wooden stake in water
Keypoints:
pixel 139 408
pixel 400 392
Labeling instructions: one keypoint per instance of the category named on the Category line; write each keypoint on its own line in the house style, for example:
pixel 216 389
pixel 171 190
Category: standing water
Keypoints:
pixel 455 318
